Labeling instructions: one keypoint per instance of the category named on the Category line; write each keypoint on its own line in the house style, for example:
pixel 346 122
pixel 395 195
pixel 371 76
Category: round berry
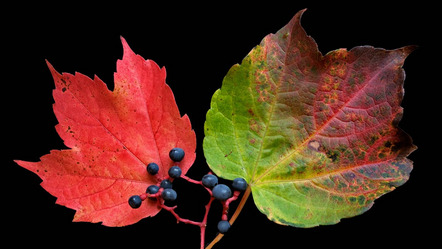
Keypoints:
pixel 210 180
pixel 166 184
pixel 135 201
pixel 152 189
pixel 221 192
pixel 153 168
pixel 169 194
pixel 239 184
pixel 223 226
pixel 176 154
pixel 175 172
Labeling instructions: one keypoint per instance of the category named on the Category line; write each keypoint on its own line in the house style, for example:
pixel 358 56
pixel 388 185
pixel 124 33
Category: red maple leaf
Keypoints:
pixel 112 136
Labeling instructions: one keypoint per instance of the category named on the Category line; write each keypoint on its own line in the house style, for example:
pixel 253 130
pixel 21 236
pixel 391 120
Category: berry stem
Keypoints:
pixel 178 218
pixel 203 223
pixel 234 216
pixel 191 180
pixel 227 202
pixel 196 182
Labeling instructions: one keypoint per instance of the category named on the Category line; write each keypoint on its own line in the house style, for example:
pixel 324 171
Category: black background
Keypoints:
pixel 198 43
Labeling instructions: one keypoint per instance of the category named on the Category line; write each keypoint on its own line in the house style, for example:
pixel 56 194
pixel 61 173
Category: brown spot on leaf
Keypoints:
pixel 333 155
pixel 254 126
pixel 314 145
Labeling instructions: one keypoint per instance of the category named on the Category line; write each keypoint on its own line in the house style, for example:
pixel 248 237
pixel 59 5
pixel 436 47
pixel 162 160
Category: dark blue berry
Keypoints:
pixel 169 194
pixel 239 184
pixel 152 189
pixel 210 180
pixel 176 154
pixel 223 226
pixel 221 192
pixel 175 172
pixel 166 184
pixel 153 168
pixel 135 201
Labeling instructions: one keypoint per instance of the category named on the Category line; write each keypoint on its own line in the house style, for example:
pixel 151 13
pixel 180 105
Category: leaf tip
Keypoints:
pixel 301 11
pixel 299 14
pixel 126 47
pixel 123 41
pixel 407 50
pixel 51 68
pixel 25 164
pixel 54 72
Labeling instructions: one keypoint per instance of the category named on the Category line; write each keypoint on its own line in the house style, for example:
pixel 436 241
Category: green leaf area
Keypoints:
pixel 315 136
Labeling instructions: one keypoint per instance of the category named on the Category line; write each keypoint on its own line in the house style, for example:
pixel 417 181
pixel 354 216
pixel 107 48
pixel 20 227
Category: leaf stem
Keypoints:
pixel 234 216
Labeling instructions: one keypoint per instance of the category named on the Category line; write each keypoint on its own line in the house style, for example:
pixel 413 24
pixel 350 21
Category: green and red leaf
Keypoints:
pixel 112 136
pixel 316 136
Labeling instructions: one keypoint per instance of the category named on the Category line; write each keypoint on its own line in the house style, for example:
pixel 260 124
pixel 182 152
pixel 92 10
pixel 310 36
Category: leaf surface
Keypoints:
pixel 315 136
pixel 112 136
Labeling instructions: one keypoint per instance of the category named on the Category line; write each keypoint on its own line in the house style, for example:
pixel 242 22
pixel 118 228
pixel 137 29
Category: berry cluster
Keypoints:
pixel 165 187
pixel 164 192
pixel 224 194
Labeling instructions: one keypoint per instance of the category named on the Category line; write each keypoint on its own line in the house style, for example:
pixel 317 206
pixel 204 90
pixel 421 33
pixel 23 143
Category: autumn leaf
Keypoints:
pixel 112 136
pixel 315 136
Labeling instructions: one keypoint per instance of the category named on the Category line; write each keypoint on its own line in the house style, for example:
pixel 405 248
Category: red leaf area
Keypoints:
pixel 113 135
